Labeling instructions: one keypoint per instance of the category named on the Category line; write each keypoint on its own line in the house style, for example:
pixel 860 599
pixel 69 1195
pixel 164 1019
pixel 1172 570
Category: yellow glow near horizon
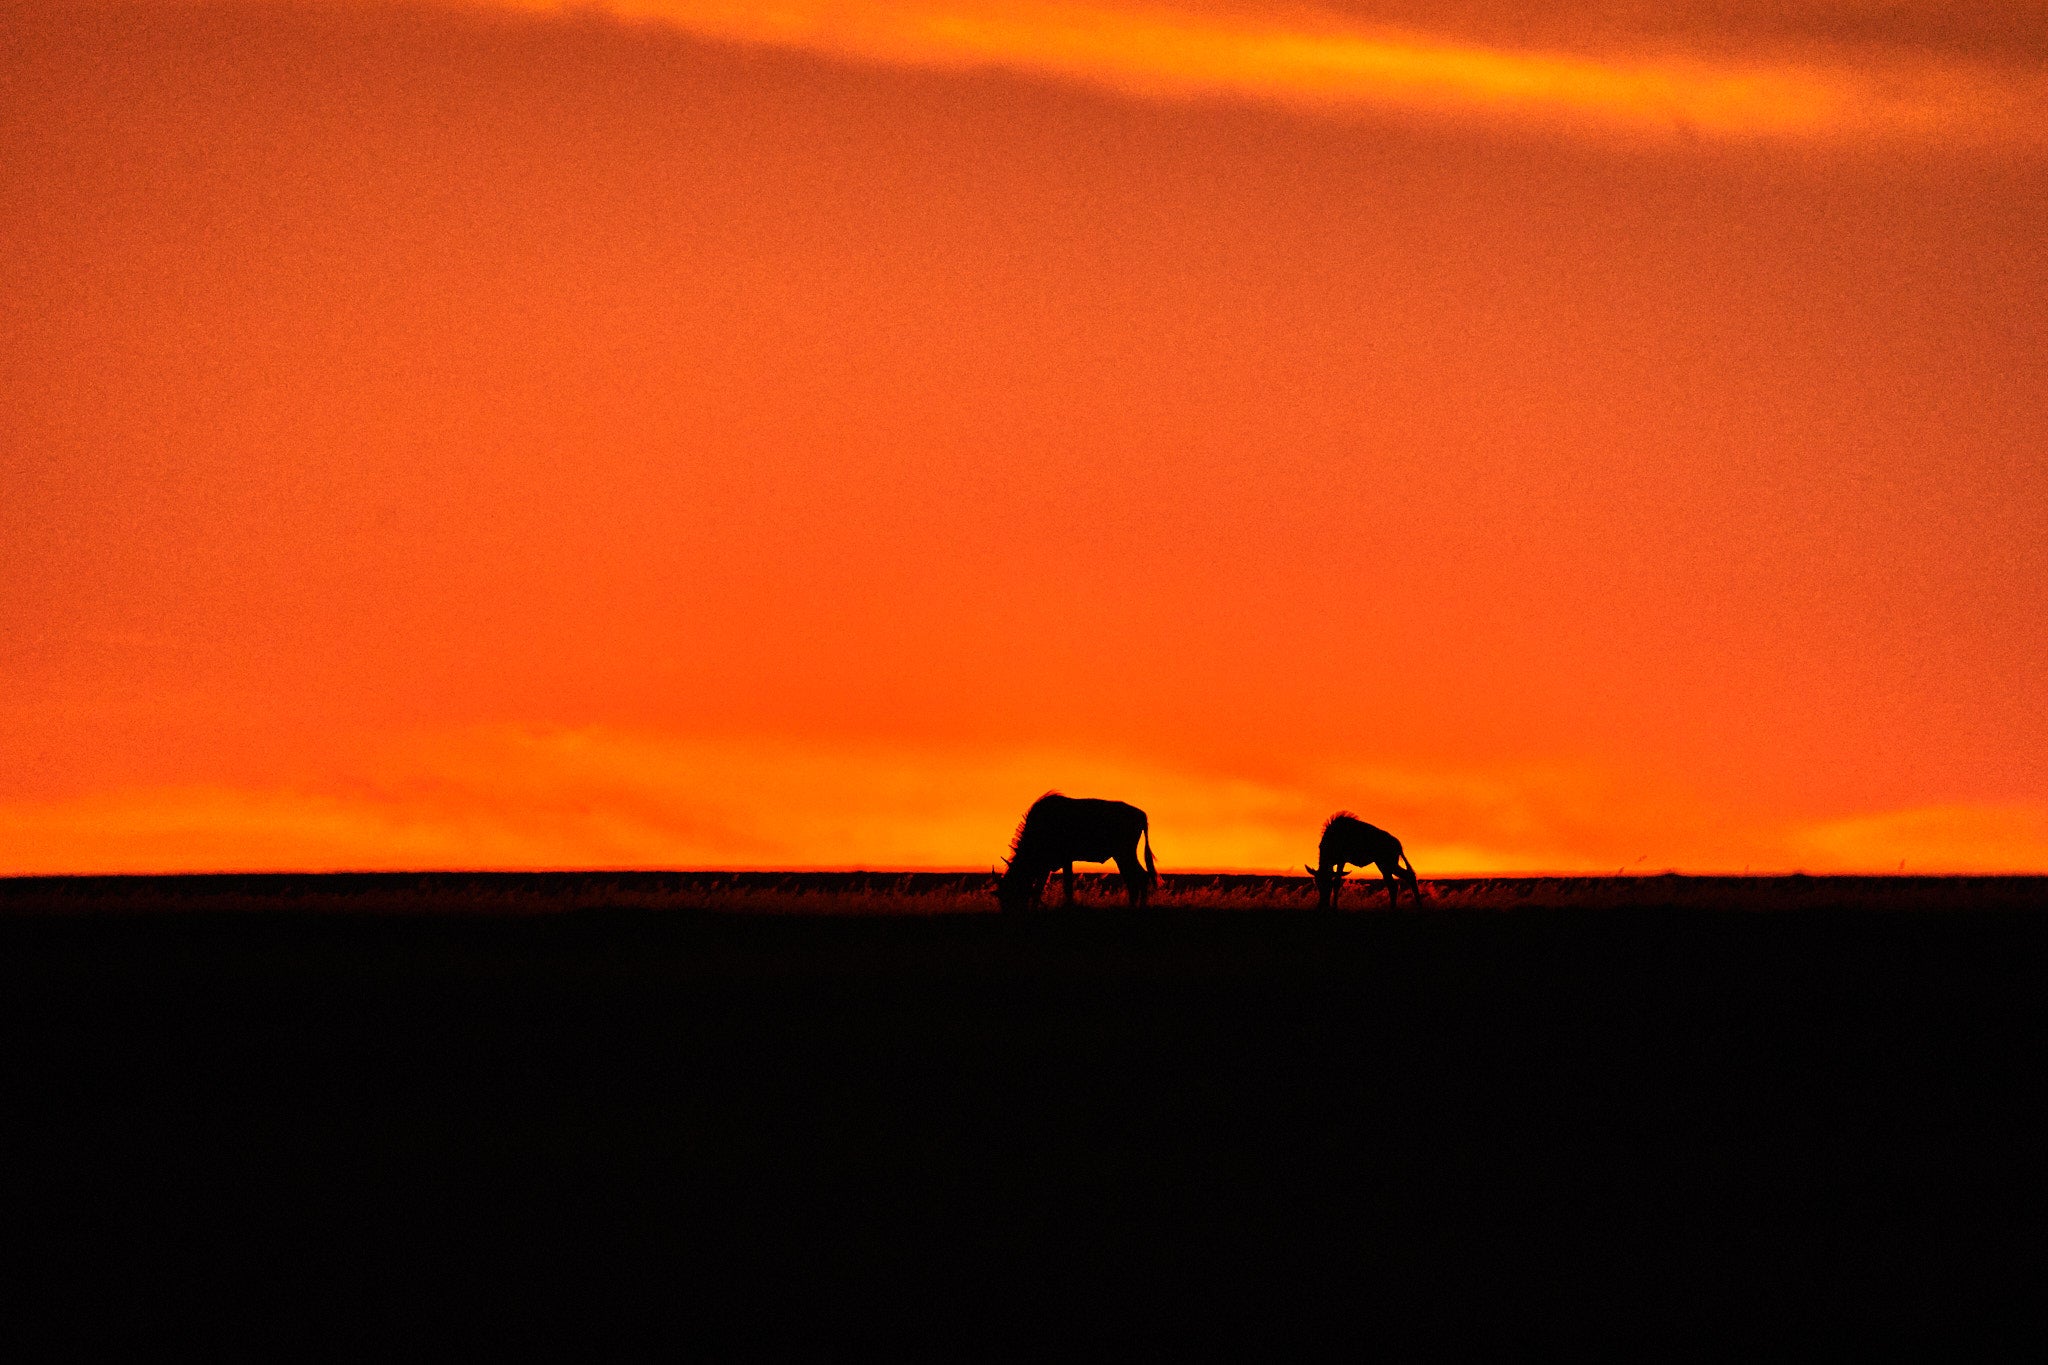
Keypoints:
pixel 1326 64
pixel 521 799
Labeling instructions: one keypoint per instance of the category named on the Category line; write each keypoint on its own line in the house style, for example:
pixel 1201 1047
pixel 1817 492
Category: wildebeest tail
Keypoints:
pixel 1145 834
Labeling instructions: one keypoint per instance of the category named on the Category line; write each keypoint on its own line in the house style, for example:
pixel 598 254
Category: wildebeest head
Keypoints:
pixel 1013 888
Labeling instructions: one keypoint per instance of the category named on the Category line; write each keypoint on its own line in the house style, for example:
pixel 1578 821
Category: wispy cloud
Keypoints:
pixel 1325 63
pixel 510 798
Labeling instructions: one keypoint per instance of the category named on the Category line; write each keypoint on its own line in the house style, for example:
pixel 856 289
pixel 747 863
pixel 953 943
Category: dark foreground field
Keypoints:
pixel 857 1109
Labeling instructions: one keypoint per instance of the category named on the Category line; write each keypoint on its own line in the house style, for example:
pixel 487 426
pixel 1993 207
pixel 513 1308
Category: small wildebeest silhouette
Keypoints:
pixel 1059 831
pixel 1349 840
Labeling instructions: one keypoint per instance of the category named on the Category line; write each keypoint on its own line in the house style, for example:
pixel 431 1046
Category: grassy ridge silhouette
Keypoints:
pixel 967 893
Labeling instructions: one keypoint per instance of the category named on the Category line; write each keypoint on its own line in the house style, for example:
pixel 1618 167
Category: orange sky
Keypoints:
pixel 489 435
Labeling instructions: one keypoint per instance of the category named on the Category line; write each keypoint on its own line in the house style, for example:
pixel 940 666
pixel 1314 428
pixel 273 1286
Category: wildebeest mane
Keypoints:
pixel 1340 815
pixel 1017 839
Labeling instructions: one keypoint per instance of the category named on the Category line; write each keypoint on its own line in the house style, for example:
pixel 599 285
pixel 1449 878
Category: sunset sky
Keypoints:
pixel 648 433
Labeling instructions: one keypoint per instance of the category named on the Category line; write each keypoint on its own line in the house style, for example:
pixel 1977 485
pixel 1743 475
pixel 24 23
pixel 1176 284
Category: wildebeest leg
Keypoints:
pixel 1067 884
pixel 1135 881
pixel 1393 888
pixel 1333 885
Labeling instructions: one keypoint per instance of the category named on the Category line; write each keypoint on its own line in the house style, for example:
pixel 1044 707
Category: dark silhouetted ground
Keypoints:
pixel 1531 1112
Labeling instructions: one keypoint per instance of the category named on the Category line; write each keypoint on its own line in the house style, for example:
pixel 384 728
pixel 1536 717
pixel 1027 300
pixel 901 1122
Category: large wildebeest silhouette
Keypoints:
pixel 1349 840
pixel 1059 831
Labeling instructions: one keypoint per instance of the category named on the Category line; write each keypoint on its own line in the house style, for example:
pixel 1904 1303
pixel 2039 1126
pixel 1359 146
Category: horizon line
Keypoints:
pixel 1551 874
